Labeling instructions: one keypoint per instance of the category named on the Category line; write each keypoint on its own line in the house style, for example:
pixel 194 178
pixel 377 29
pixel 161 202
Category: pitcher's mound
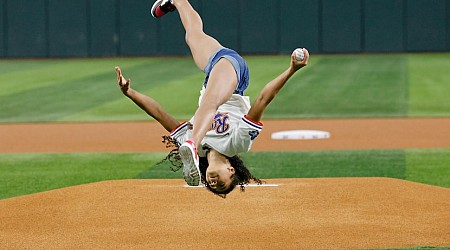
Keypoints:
pixel 164 214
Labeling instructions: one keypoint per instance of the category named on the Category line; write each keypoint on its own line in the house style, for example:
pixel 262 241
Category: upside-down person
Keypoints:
pixel 224 123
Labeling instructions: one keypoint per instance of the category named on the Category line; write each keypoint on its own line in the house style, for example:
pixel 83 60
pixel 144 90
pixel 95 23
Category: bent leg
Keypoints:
pixel 202 46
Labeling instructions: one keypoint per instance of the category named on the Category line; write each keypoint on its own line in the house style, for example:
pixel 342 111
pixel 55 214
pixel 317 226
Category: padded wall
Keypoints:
pixel 85 28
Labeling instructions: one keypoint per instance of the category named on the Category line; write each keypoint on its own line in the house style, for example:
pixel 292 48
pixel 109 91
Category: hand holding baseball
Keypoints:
pixel 299 58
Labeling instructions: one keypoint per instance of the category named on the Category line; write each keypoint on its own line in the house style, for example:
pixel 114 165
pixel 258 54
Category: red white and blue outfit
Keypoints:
pixel 231 132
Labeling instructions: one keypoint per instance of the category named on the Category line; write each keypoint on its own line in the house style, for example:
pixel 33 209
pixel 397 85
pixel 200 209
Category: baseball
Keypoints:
pixel 299 55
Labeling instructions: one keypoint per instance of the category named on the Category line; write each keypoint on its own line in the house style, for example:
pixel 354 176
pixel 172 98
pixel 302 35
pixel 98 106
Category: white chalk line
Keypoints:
pixel 249 185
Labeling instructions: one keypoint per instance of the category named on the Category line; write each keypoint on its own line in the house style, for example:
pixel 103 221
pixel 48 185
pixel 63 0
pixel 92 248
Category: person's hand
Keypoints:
pixel 295 64
pixel 123 83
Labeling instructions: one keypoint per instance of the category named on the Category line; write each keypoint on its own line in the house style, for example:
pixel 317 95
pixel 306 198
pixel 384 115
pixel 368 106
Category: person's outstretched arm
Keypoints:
pixel 146 103
pixel 273 87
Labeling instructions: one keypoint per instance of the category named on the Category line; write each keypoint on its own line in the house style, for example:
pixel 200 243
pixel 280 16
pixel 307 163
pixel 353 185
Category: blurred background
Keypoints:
pixel 108 28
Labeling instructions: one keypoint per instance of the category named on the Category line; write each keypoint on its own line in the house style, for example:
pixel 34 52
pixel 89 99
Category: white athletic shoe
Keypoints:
pixel 189 157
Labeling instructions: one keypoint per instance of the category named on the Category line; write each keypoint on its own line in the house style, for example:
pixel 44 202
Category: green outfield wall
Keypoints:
pixel 97 28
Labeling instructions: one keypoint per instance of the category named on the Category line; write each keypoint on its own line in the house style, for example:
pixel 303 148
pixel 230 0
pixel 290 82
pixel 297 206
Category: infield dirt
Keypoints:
pixel 146 136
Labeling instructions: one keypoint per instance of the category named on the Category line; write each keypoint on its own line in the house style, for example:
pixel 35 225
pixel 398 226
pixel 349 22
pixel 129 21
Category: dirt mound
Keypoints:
pixel 164 214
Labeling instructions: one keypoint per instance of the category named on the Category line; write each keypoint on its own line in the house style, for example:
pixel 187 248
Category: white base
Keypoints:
pixel 300 135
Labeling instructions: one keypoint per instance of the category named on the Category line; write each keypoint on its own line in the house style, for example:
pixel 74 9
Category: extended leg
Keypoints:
pixel 220 86
pixel 202 46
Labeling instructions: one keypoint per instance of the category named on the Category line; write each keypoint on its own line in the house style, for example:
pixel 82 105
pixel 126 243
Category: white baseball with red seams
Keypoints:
pixel 299 55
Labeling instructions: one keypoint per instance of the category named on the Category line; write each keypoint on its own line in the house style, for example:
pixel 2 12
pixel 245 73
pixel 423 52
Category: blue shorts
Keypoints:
pixel 239 64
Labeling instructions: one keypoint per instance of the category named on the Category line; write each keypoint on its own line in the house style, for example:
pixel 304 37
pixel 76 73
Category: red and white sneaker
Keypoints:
pixel 161 7
pixel 189 157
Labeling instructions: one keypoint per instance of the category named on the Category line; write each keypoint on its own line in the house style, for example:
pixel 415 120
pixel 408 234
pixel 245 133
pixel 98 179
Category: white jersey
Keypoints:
pixel 231 132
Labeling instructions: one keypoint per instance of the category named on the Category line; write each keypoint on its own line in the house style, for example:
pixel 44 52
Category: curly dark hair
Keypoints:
pixel 241 176
pixel 173 157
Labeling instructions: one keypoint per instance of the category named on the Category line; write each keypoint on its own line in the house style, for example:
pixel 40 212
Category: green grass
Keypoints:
pixel 29 173
pixel 429 85
pixel 430 166
pixel 398 85
pixel 327 164
pixel 344 86
pixel 86 90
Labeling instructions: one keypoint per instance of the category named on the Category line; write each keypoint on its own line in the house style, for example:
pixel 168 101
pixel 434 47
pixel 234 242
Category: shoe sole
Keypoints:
pixel 192 177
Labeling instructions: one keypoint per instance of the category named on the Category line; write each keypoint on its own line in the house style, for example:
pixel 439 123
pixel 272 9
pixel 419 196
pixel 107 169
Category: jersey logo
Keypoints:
pixel 253 134
pixel 221 123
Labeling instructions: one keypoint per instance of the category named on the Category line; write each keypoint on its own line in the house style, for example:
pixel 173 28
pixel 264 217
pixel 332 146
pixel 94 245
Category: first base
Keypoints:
pixel 300 135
